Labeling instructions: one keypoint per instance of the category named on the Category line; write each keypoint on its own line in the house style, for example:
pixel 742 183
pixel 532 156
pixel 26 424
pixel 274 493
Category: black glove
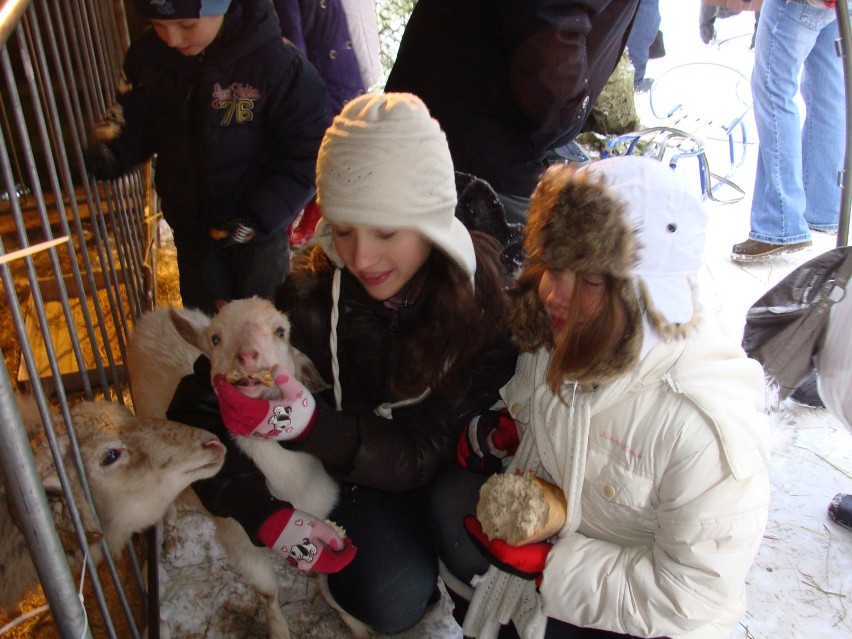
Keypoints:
pixel 235 231
pixel 102 162
pixel 242 233
pixel 486 440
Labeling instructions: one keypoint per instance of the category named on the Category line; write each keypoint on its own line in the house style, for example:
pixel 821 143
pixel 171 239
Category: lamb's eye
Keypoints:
pixel 215 340
pixel 111 456
pixel 280 332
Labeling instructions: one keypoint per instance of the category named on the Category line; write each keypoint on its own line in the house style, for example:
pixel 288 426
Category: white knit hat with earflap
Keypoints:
pixel 384 162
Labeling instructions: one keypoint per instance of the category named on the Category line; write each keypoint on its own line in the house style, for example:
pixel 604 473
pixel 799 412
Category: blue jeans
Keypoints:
pixel 642 34
pixel 795 187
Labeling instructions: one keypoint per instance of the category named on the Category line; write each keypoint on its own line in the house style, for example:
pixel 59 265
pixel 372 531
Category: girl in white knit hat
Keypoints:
pixel 403 312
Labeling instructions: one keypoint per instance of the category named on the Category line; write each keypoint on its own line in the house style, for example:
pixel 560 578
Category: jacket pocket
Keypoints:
pixel 617 494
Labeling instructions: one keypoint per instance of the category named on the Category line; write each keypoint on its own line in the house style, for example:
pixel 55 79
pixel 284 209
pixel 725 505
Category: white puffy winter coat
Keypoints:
pixel 666 475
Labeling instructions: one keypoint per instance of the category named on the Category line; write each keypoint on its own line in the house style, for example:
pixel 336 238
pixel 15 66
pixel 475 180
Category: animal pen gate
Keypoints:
pixel 77 265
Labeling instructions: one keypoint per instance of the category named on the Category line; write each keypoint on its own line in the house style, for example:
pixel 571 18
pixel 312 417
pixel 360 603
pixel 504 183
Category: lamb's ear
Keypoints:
pixel 191 326
pixel 58 501
pixel 307 373
pixel 44 462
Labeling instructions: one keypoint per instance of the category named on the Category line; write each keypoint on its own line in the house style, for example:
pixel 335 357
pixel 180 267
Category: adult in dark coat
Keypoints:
pixel 510 81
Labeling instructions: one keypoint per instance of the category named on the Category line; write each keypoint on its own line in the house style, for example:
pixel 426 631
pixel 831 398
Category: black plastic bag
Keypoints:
pixel 785 328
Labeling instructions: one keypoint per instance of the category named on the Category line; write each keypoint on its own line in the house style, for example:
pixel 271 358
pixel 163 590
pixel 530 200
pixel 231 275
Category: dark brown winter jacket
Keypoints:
pixel 356 445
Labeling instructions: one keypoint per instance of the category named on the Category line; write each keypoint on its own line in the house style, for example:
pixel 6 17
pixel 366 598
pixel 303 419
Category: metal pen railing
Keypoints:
pixel 844 52
pixel 74 263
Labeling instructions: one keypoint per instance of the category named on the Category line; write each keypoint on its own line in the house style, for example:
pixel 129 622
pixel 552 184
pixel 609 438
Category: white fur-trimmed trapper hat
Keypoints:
pixel 384 162
pixel 632 218
pixel 671 227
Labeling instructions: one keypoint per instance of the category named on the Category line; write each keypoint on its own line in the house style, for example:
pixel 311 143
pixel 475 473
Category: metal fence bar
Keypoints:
pixel 72 264
pixel 25 493
pixel 845 53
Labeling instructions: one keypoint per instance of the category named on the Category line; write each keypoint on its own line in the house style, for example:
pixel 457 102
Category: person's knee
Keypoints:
pixel 392 578
pixel 454 494
pixel 389 602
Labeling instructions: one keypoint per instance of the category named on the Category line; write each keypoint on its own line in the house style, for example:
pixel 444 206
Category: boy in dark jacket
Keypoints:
pixel 235 116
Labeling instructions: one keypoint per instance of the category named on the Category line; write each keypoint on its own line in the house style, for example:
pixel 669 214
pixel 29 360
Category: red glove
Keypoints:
pixel 287 419
pixel 306 542
pixel 488 438
pixel 525 561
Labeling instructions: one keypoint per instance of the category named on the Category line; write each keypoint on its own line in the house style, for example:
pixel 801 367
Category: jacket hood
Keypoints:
pixel 248 26
pixel 704 373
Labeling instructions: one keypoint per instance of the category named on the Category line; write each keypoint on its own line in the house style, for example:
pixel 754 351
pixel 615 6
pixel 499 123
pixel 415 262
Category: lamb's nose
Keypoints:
pixel 213 442
pixel 247 358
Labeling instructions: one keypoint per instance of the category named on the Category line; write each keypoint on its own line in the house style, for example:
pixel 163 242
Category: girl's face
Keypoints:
pixel 556 291
pixel 382 260
pixel 189 36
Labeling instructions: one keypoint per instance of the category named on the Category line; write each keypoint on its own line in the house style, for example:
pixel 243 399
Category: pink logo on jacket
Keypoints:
pixel 237 101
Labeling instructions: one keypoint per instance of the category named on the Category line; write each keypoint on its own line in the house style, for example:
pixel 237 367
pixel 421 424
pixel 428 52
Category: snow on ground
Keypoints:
pixel 801 583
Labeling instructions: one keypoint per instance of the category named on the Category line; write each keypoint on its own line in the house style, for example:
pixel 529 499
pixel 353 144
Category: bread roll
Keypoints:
pixel 263 376
pixel 520 509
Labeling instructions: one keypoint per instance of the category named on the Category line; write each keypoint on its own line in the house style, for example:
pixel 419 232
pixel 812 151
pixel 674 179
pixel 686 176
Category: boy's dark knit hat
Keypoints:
pixel 180 9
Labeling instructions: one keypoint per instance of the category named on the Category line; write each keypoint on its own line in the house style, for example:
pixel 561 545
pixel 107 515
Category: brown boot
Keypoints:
pixel 756 251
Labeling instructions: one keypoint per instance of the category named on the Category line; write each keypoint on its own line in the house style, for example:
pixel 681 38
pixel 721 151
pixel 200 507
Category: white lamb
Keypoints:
pixel 136 468
pixel 249 337
pixel 246 339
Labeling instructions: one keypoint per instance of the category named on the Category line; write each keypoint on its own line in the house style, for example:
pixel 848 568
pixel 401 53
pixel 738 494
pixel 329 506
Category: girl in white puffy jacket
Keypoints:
pixel 634 403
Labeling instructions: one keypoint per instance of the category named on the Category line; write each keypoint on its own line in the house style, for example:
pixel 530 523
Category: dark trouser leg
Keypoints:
pixel 707 22
pixel 211 270
pixel 392 578
pixel 453 495
pixel 561 630
pixel 258 269
pixel 204 276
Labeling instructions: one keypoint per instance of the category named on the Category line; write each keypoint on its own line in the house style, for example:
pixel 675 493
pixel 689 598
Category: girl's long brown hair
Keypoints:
pixel 456 324
pixel 586 353
pixel 577 354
